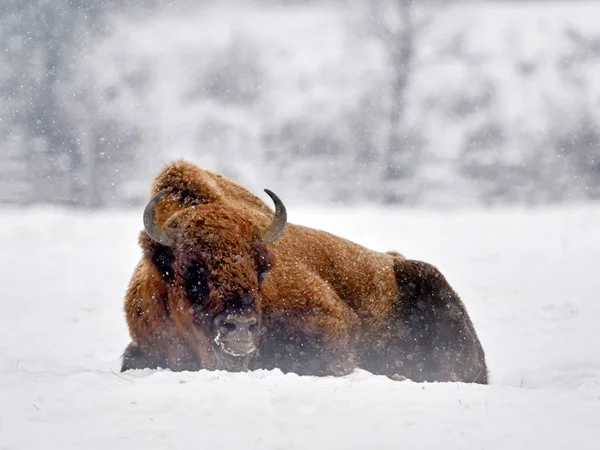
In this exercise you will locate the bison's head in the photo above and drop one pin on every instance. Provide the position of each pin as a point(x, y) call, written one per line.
point(219, 260)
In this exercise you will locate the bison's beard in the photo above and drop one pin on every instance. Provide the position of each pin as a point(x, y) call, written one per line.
point(233, 360)
point(230, 362)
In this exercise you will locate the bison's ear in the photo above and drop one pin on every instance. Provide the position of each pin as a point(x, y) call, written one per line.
point(161, 256)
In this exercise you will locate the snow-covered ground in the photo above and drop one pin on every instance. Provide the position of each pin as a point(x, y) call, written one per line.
point(529, 279)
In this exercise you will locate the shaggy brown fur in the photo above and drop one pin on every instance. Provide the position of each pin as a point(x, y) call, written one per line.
point(326, 305)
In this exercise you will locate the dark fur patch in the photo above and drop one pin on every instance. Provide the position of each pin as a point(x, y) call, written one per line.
point(264, 262)
point(161, 256)
point(196, 283)
point(290, 352)
point(135, 358)
point(432, 338)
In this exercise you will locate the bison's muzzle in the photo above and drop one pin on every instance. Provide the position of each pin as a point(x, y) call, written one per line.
point(237, 333)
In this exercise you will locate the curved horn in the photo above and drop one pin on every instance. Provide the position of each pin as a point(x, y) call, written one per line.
point(164, 236)
point(275, 230)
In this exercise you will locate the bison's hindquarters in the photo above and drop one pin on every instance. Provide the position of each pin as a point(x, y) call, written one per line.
point(430, 336)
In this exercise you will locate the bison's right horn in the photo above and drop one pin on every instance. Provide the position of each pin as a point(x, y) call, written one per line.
point(162, 235)
point(275, 230)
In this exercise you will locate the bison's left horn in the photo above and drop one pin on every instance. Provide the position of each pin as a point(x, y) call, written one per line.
point(275, 230)
point(162, 235)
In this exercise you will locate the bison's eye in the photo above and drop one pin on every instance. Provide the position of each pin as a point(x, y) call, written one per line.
point(261, 276)
point(196, 282)
point(263, 269)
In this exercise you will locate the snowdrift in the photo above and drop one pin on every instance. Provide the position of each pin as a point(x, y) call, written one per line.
point(528, 277)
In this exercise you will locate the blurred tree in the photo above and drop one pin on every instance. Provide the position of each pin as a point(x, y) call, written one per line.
point(579, 149)
point(394, 23)
point(399, 24)
point(40, 43)
point(552, 152)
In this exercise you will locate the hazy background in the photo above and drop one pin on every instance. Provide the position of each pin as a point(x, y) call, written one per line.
point(349, 101)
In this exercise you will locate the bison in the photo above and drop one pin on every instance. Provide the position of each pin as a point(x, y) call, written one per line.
point(225, 283)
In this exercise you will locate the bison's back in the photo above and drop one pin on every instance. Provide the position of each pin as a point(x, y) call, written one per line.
point(361, 278)
point(192, 185)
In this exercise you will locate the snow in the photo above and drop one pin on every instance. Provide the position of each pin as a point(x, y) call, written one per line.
point(529, 279)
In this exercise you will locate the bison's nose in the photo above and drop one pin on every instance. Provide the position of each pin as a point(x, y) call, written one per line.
point(240, 328)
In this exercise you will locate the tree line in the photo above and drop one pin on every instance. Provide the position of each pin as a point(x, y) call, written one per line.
point(401, 131)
